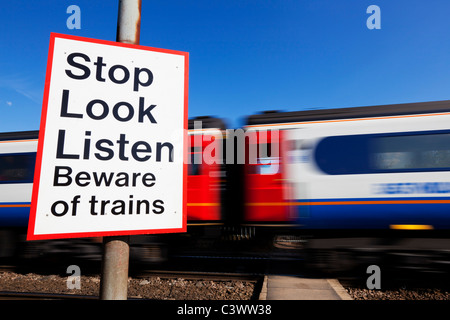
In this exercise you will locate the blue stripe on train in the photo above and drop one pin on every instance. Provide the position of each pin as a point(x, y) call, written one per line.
point(14, 216)
point(373, 216)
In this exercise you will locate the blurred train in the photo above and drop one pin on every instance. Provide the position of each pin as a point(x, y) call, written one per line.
point(338, 180)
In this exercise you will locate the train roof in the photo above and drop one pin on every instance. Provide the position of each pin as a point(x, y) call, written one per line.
point(207, 122)
point(19, 135)
point(269, 117)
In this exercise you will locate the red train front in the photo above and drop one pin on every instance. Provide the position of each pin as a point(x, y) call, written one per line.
point(236, 178)
point(205, 171)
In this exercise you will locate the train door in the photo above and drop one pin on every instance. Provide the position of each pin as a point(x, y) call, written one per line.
point(265, 181)
point(204, 176)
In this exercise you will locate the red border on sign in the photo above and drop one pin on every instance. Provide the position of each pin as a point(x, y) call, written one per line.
point(34, 197)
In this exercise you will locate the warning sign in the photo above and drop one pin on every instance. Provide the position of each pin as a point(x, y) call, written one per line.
point(112, 141)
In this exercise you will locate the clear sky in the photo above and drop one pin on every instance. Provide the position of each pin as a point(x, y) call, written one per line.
point(247, 56)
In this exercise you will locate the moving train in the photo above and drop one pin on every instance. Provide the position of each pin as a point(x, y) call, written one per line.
point(338, 179)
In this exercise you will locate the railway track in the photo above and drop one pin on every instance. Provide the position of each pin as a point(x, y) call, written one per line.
point(197, 275)
point(12, 295)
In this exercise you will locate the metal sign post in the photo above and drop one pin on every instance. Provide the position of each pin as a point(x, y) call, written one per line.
point(114, 277)
point(116, 250)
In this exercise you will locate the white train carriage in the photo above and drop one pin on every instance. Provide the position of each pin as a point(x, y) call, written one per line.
point(17, 161)
point(381, 167)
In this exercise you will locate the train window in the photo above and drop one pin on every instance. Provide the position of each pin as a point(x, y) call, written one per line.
point(429, 151)
point(343, 155)
point(17, 168)
point(267, 160)
point(268, 165)
point(383, 153)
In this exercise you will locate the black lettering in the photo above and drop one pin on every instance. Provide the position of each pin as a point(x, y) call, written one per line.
point(137, 81)
point(116, 111)
point(70, 60)
point(122, 142)
point(75, 202)
point(58, 175)
point(87, 146)
point(146, 112)
point(91, 113)
point(82, 176)
point(159, 146)
point(64, 106)
point(60, 147)
point(119, 207)
point(140, 203)
point(99, 147)
point(103, 179)
point(103, 206)
point(125, 179)
point(135, 175)
point(148, 179)
point(126, 74)
point(146, 149)
point(158, 205)
point(130, 208)
point(65, 208)
point(93, 202)
point(100, 65)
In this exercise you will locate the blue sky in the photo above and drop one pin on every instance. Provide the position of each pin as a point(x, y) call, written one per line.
point(248, 56)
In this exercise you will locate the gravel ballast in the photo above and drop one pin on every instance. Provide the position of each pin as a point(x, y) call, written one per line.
point(144, 288)
point(398, 294)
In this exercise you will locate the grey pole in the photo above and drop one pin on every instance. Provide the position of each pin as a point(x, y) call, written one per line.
point(129, 21)
point(114, 278)
point(116, 250)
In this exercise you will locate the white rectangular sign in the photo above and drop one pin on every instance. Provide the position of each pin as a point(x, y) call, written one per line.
point(112, 141)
